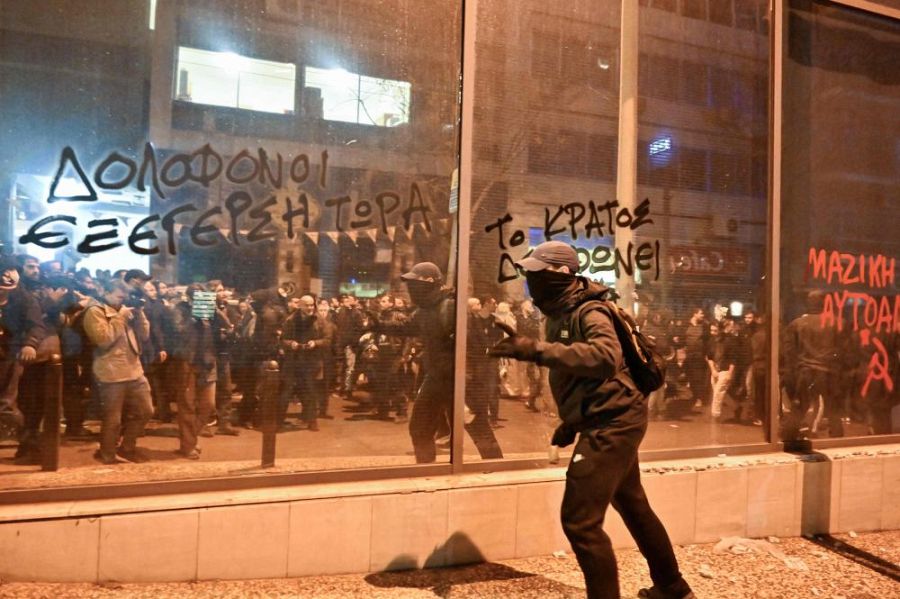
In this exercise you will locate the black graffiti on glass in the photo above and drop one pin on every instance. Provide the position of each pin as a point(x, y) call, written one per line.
point(601, 221)
point(203, 166)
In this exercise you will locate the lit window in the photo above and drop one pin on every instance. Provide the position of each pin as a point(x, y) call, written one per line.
point(235, 81)
point(353, 98)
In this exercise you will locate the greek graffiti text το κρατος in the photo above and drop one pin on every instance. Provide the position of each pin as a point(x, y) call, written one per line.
point(587, 219)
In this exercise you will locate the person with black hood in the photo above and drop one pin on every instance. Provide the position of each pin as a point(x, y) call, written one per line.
point(597, 398)
point(434, 323)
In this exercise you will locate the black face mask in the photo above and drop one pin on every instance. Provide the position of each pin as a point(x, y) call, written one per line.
point(423, 293)
point(550, 289)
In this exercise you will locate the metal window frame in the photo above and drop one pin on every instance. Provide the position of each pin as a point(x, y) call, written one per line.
point(457, 465)
point(773, 276)
point(870, 6)
point(464, 224)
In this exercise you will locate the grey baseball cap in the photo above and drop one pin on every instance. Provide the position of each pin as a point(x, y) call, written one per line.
point(424, 271)
point(550, 253)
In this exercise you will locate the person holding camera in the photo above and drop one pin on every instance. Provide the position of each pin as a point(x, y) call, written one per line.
point(116, 328)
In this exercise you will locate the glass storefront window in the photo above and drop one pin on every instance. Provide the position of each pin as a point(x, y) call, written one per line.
point(273, 168)
point(839, 358)
point(545, 143)
point(241, 217)
point(702, 127)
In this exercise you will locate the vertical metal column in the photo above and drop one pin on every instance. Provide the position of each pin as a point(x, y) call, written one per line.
point(470, 10)
point(773, 314)
point(626, 174)
point(268, 392)
point(52, 407)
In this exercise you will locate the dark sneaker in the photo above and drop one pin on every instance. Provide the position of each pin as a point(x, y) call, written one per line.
point(655, 593)
point(193, 454)
point(228, 430)
point(313, 426)
point(133, 456)
point(111, 461)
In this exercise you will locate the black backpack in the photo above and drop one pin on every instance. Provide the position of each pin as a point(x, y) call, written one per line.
point(645, 364)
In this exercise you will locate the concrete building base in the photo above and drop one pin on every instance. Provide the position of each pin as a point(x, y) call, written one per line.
point(429, 522)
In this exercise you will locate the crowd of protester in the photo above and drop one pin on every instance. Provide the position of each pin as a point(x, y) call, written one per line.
point(134, 349)
point(717, 365)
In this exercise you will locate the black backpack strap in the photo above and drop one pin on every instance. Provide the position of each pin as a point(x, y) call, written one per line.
point(582, 309)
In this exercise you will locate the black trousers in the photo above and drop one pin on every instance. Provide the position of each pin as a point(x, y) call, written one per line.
point(32, 396)
point(74, 396)
point(223, 390)
point(604, 470)
point(309, 389)
point(811, 385)
point(433, 405)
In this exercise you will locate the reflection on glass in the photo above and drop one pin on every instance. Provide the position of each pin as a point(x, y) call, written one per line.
point(211, 234)
point(692, 247)
point(701, 165)
point(228, 79)
point(353, 98)
point(545, 143)
point(839, 356)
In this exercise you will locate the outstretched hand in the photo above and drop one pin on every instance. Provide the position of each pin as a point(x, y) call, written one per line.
point(514, 346)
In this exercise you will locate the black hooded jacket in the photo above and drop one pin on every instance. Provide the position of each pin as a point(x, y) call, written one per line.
point(588, 376)
point(435, 325)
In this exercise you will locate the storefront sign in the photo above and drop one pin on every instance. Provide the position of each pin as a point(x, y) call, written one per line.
point(705, 260)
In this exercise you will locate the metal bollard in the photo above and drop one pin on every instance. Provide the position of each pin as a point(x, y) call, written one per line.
point(268, 391)
point(52, 410)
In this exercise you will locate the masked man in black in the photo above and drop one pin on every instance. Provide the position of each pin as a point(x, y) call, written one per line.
point(434, 323)
point(597, 398)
